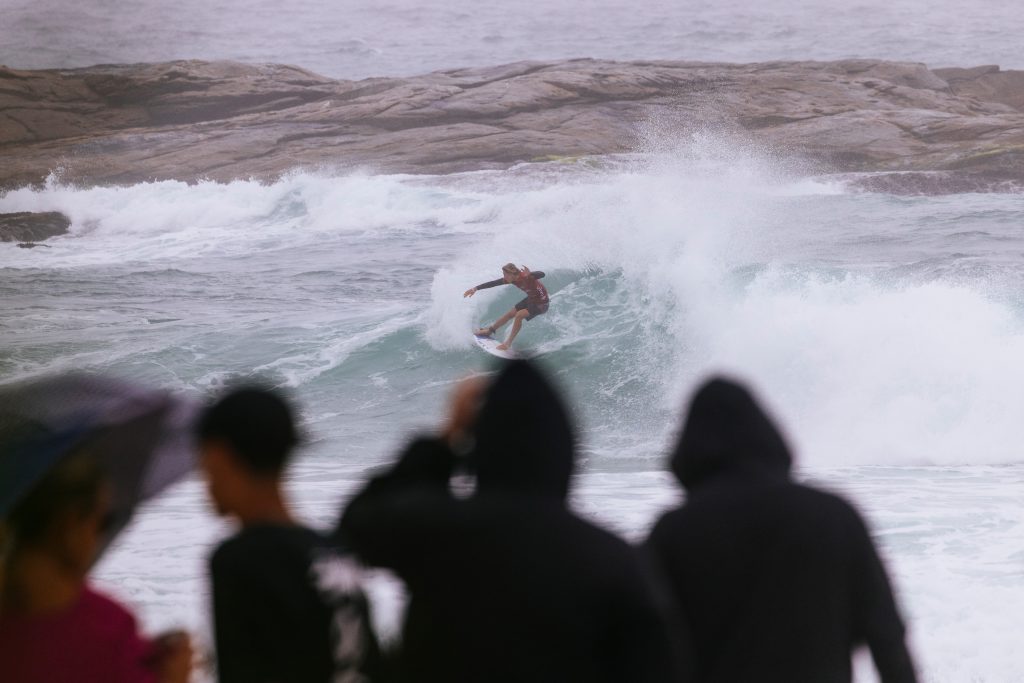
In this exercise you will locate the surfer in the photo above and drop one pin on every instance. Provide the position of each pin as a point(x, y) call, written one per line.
point(535, 303)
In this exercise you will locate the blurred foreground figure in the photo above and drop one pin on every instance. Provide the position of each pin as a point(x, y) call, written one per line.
point(76, 454)
point(507, 584)
point(288, 606)
point(775, 581)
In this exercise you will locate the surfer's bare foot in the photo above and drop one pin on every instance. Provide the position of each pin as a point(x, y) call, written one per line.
point(503, 347)
point(485, 332)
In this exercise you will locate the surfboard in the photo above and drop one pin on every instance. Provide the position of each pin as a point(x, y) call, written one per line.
point(490, 345)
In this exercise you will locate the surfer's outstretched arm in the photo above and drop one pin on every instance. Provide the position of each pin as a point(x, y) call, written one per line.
point(487, 285)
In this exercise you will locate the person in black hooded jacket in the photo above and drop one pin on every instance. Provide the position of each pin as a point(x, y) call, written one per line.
point(507, 584)
point(775, 581)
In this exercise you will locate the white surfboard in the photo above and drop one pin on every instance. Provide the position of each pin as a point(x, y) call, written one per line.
point(490, 345)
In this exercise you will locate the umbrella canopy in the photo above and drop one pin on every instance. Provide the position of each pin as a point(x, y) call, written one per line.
point(140, 436)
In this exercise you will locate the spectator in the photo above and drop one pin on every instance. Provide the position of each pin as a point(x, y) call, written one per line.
point(54, 627)
point(775, 581)
point(288, 606)
point(507, 584)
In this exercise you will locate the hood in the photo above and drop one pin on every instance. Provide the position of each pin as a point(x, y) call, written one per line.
point(524, 441)
point(727, 432)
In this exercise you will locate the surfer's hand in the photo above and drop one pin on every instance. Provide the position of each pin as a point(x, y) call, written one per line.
point(462, 410)
point(469, 292)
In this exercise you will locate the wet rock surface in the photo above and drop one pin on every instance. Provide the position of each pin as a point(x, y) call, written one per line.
point(932, 131)
point(28, 227)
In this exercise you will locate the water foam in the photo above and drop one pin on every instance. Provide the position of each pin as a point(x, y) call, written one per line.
point(171, 220)
point(716, 268)
point(663, 270)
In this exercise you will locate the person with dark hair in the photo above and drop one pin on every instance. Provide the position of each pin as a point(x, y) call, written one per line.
point(775, 581)
point(507, 584)
point(53, 625)
point(287, 604)
point(535, 303)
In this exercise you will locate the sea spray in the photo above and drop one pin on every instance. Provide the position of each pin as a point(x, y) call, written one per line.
point(663, 269)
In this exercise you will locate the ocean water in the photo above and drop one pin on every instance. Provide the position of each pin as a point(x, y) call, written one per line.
point(884, 333)
point(362, 38)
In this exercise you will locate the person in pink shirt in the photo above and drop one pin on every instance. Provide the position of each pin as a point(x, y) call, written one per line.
point(53, 626)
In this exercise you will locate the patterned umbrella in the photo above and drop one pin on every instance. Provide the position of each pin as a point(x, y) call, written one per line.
point(140, 435)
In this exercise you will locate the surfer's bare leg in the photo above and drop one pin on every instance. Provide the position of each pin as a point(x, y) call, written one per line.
point(520, 317)
point(498, 324)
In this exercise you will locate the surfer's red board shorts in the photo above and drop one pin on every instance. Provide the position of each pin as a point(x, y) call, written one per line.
point(534, 309)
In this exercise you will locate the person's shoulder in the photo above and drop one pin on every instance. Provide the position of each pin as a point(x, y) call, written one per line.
point(230, 547)
point(825, 510)
point(596, 541)
point(668, 523)
point(827, 501)
point(615, 567)
point(105, 608)
point(672, 515)
point(105, 620)
point(272, 535)
point(256, 542)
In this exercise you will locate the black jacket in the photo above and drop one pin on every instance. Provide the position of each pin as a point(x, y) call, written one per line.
point(287, 606)
point(508, 584)
point(775, 581)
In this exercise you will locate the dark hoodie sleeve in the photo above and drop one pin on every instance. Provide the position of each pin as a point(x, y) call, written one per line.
point(655, 642)
point(492, 283)
point(876, 616)
point(404, 510)
point(655, 552)
point(537, 274)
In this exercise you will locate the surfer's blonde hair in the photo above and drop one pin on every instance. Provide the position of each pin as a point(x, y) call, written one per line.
point(510, 268)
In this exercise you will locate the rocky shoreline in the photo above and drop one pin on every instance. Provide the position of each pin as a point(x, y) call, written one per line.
point(928, 131)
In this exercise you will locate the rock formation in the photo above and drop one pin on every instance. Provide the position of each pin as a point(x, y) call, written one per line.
point(930, 130)
point(32, 227)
